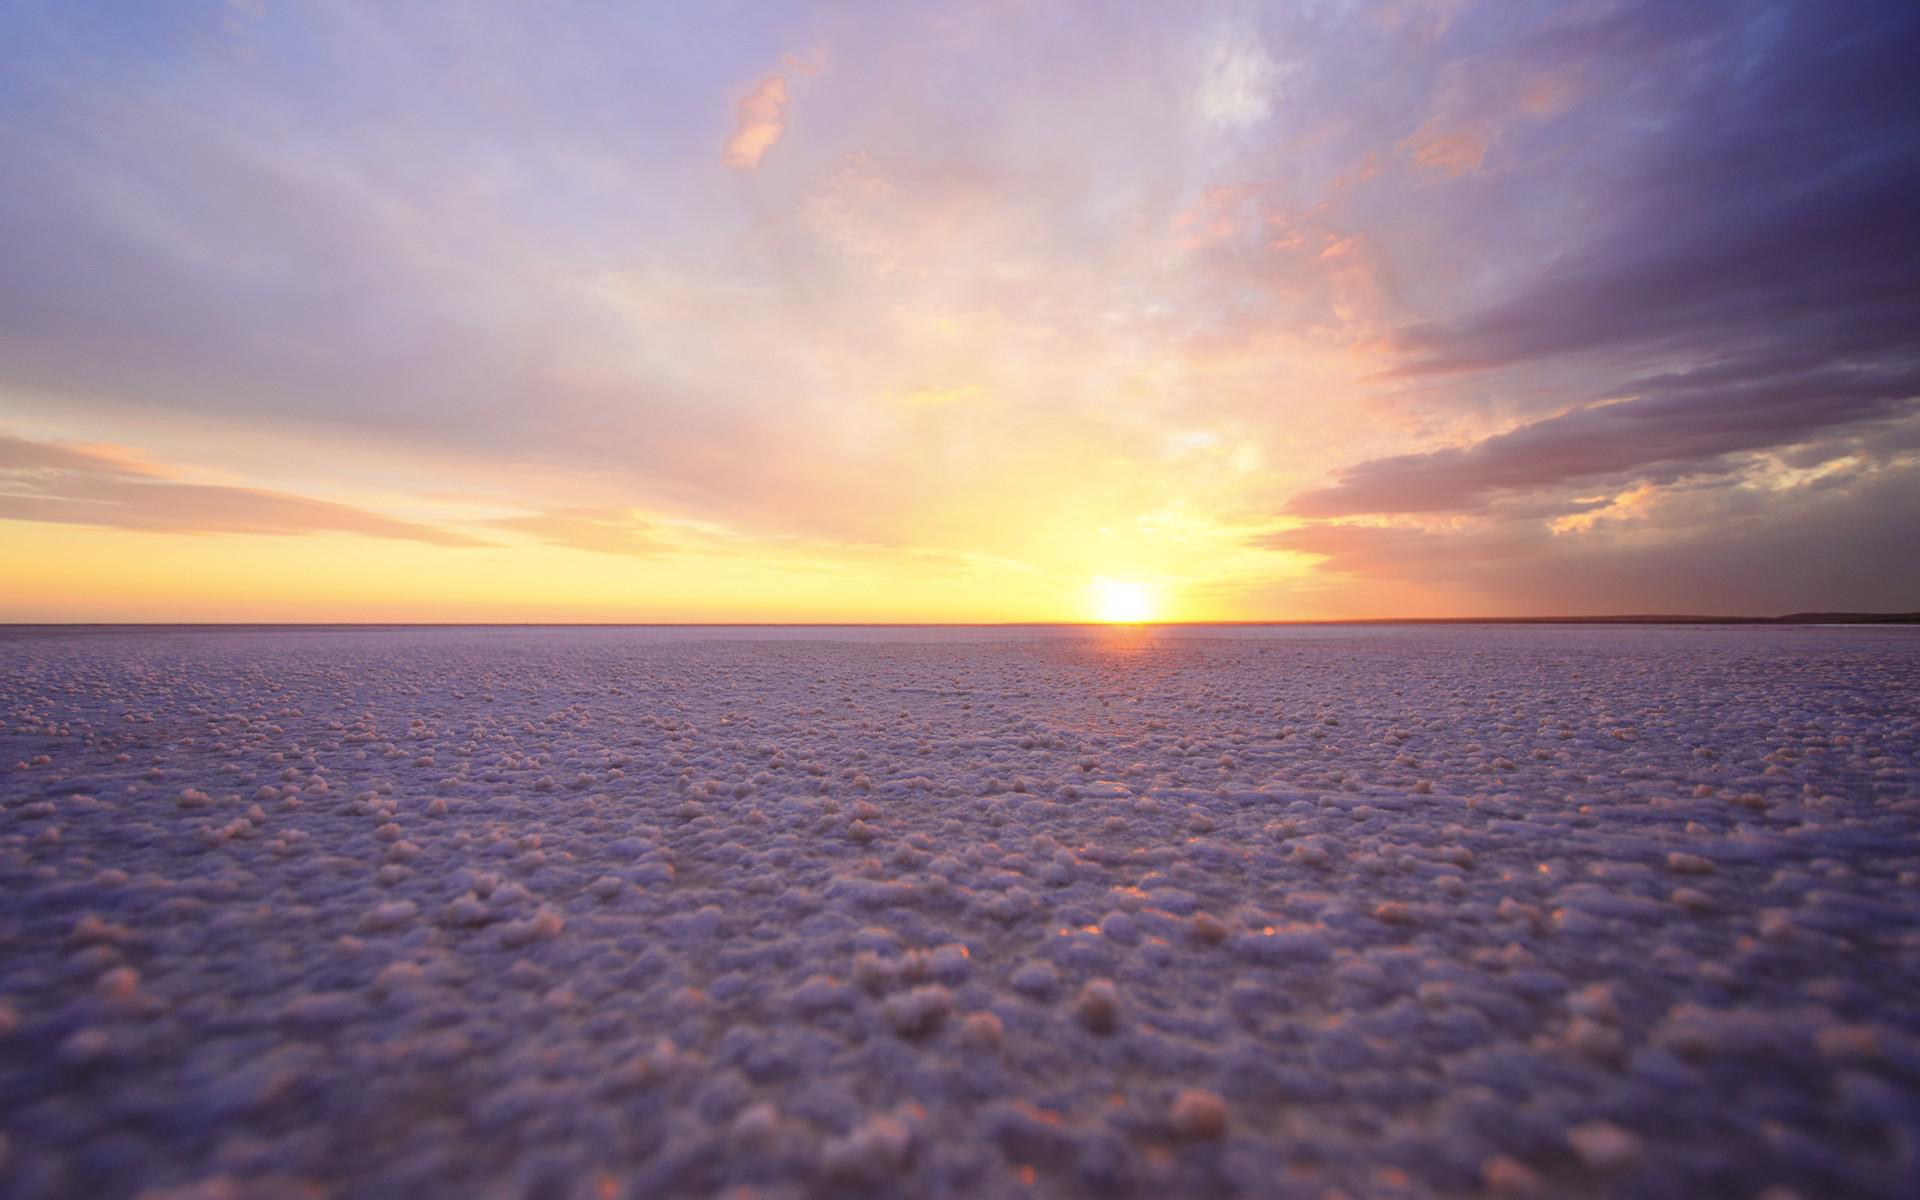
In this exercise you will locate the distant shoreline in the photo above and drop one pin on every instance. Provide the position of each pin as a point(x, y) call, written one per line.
point(43, 628)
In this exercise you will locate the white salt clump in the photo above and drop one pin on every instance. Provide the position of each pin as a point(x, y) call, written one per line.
point(817, 994)
point(918, 1012)
point(874, 973)
point(1604, 1146)
point(916, 966)
point(391, 915)
point(949, 963)
point(1036, 979)
point(94, 958)
point(322, 1008)
point(121, 983)
point(85, 1046)
point(468, 910)
point(607, 887)
point(543, 925)
point(1205, 927)
point(1589, 1037)
point(1688, 864)
point(757, 1126)
point(1121, 928)
point(1858, 1044)
point(1098, 1006)
point(93, 928)
point(873, 1152)
point(1510, 909)
point(982, 1031)
point(399, 975)
point(1508, 1176)
point(1692, 899)
point(194, 798)
point(1198, 1114)
point(1596, 1002)
point(1394, 912)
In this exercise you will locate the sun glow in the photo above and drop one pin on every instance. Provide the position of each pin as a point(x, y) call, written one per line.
point(1122, 602)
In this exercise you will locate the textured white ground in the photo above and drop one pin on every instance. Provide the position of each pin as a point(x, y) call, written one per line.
point(618, 913)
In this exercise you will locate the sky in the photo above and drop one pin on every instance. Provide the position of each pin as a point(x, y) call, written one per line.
point(974, 311)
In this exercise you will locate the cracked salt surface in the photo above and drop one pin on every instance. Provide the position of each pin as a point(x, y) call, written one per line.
point(635, 913)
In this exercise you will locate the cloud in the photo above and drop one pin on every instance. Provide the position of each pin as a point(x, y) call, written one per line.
point(1774, 209)
point(108, 488)
point(759, 119)
point(1848, 541)
point(1679, 425)
point(1238, 81)
point(1747, 285)
point(601, 530)
point(1451, 152)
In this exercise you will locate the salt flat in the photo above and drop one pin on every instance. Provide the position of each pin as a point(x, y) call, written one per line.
point(610, 913)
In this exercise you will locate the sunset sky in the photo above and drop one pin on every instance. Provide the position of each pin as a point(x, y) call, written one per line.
point(963, 311)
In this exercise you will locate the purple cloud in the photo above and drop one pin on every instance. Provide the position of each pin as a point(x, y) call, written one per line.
point(1679, 425)
point(1750, 284)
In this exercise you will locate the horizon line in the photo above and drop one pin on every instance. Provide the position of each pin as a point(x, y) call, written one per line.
point(1800, 618)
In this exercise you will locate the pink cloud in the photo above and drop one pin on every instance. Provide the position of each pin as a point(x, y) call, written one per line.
point(1455, 153)
point(759, 120)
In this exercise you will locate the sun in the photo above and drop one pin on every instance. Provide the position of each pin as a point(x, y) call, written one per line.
point(1122, 602)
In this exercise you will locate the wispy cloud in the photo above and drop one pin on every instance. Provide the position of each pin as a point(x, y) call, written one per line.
point(1678, 426)
point(1452, 152)
point(110, 488)
point(601, 530)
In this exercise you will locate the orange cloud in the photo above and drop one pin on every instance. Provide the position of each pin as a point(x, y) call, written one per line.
point(759, 120)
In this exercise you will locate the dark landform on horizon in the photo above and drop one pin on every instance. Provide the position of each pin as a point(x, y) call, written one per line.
point(50, 629)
